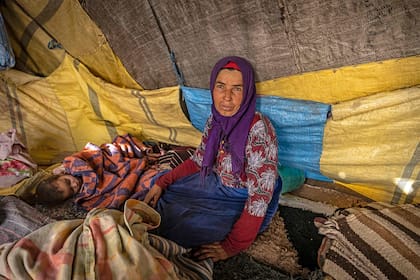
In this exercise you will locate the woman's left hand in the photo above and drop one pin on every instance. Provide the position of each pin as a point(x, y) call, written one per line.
point(214, 251)
point(153, 195)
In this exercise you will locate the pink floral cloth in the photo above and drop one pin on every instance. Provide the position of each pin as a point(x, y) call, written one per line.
point(15, 161)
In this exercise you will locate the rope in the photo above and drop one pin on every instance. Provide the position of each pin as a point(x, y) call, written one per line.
point(178, 73)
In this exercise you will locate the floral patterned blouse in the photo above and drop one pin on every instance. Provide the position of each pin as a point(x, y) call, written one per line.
point(260, 166)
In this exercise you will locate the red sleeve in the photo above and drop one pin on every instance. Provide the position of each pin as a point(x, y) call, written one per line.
point(186, 168)
point(242, 234)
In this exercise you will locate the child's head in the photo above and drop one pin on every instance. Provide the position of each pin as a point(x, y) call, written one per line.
point(57, 188)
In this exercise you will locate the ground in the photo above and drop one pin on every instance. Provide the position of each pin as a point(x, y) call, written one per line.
point(273, 257)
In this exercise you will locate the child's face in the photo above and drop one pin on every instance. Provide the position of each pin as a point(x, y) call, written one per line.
point(68, 185)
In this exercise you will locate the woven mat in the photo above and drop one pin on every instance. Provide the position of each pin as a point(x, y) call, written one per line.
point(274, 248)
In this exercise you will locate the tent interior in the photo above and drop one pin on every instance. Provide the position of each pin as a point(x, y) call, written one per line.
point(340, 81)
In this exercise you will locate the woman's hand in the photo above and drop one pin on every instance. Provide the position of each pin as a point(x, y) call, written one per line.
point(214, 251)
point(153, 195)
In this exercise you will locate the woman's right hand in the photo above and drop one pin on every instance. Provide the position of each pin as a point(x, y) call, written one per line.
point(153, 195)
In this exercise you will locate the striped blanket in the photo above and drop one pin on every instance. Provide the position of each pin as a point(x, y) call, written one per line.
point(111, 173)
point(380, 241)
point(17, 219)
point(107, 244)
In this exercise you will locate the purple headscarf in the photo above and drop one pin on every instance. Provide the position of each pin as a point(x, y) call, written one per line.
point(234, 130)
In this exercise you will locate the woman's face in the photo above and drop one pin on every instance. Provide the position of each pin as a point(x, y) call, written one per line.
point(228, 92)
point(68, 185)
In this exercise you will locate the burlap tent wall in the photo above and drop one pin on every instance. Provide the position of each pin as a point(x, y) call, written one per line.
point(97, 58)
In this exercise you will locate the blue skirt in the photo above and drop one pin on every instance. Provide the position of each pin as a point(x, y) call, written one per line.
point(196, 213)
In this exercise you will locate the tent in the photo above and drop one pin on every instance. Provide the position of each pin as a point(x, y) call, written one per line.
point(347, 80)
point(340, 80)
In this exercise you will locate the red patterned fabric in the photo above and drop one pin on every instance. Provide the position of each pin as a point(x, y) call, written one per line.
point(111, 173)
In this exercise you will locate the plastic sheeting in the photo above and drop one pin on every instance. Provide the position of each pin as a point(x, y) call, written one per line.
point(299, 126)
point(372, 145)
point(7, 57)
point(346, 83)
point(58, 115)
point(42, 32)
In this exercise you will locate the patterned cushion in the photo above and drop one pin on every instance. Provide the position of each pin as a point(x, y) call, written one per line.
point(174, 157)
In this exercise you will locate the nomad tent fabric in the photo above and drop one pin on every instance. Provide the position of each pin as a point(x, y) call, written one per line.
point(281, 38)
point(69, 86)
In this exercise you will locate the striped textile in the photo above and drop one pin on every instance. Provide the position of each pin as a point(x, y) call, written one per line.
point(379, 241)
point(17, 219)
point(185, 266)
point(174, 157)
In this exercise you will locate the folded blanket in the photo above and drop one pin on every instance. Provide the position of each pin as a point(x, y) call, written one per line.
point(108, 244)
point(380, 241)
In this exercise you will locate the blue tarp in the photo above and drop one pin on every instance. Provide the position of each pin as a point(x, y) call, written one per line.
point(7, 58)
point(299, 125)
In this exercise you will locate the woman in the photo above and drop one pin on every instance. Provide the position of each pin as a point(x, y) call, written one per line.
point(227, 192)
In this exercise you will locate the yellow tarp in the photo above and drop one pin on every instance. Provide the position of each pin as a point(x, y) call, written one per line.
point(58, 115)
point(372, 145)
point(346, 83)
point(36, 23)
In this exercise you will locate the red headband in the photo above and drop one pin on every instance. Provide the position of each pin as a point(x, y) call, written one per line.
point(232, 65)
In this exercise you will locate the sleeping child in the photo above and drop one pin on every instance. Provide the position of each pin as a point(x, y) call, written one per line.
point(57, 188)
point(101, 176)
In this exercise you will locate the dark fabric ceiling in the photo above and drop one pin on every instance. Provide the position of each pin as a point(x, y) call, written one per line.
point(280, 38)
